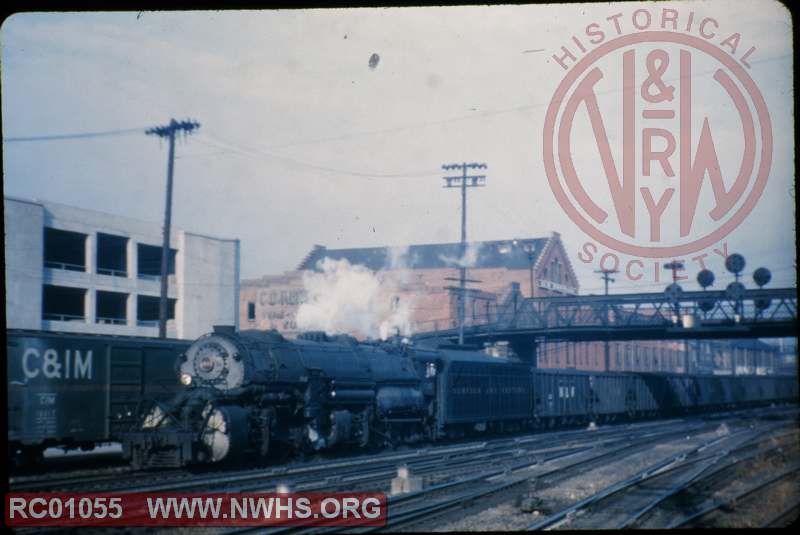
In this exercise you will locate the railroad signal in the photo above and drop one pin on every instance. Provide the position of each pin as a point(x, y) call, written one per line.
point(735, 263)
point(674, 266)
point(705, 278)
point(762, 276)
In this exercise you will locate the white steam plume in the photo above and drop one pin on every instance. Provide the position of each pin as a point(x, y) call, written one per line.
point(470, 256)
point(345, 298)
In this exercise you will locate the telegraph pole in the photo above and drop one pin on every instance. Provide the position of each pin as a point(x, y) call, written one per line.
point(674, 290)
point(168, 132)
point(607, 277)
point(464, 181)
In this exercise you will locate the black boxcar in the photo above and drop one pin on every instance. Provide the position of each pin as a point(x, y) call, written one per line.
point(79, 390)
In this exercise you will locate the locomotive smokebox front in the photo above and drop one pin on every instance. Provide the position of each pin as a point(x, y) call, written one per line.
point(216, 361)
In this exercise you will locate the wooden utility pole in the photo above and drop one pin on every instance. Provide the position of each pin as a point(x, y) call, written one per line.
point(606, 277)
point(606, 354)
point(169, 133)
point(463, 182)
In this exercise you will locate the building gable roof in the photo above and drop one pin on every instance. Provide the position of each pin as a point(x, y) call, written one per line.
point(509, 254)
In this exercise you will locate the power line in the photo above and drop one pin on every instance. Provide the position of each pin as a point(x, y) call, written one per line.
point(260, 154)
point(76, 136)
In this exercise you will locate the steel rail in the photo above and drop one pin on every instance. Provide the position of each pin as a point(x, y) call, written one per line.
point(565, 514)
point(751, 490)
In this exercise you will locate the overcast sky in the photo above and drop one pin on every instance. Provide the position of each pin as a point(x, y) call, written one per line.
point(304, 141)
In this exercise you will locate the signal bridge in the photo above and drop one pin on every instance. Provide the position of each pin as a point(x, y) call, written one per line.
point(671, 315)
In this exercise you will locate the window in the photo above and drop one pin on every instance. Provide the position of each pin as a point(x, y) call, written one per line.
point(251, 311)
point(63, 304)
point(556, 271)
point(149, 264)
point(147, 310)
point(64, 249)
point(112, 308)
point(112, 255)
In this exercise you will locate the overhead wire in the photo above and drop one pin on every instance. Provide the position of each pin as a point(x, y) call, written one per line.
point(233, 147)
point(128, 131)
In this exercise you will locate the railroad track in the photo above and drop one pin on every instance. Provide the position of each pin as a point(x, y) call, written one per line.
point(630, 502)
point(638, 485)
point(696, 486)
point(434, 462)
point(464, 482)
point(430, 507)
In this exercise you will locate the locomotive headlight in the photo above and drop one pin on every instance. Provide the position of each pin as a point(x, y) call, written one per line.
point(186, 379)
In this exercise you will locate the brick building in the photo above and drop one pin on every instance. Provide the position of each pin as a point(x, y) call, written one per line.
point(420, 279)
point(419, 285)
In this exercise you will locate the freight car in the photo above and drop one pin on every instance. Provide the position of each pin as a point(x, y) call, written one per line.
point(252, 393)
point(80, 390)
point(570, 397)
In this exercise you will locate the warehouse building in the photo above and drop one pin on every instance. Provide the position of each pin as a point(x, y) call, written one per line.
point(75, 270)
point(419, 283)
point(415, 289)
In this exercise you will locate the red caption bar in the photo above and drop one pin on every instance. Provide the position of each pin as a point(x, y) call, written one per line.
point(273, 510)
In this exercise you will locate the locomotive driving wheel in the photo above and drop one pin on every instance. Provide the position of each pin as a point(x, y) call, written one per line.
point(224, 432)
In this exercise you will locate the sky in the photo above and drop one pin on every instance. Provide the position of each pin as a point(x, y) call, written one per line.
point(331, 126)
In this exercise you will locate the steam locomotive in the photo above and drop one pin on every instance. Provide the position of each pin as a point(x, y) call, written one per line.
point(250, 394)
